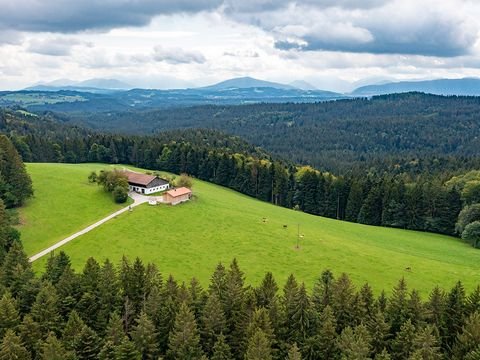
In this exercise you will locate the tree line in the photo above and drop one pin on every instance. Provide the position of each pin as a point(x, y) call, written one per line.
point(131, 311)
point(395, 199)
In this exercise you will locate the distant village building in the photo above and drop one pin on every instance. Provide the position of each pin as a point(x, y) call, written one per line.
point(177, 196)
point(145, 184)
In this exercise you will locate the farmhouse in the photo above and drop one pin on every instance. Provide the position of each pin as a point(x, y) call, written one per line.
point(177, 196)
point(145, 184)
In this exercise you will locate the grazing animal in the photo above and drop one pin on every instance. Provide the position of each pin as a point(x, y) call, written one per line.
point(285, 226)
point(408, 268)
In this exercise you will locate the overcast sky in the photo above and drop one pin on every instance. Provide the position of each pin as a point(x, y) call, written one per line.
point(177, 43)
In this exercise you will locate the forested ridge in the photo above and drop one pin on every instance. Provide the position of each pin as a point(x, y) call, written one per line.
point(383, 132)
point(396, 199)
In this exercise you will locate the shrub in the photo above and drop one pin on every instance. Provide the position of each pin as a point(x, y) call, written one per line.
point(120, 194)
point(471, 234)
point(184, 180)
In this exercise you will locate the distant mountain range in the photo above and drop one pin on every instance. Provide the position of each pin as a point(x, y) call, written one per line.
point(114, 95)
point(90, 85)
point(461, 87)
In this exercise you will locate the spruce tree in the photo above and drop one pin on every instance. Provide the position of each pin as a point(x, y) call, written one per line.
point(302, 316)
point(403, 344)
point(127, 351)
point(87, 344)
point(115, 331)
point(354, 344)
point(12, 348)
point(212, 322)
point(144, 337)
point(30, 334)
point(53, 349)
point(221, 350)
point(45, 310)
point(379, 329)
point(427, 344)
point(184, 340)
point(108, 351)
point(9, 317)
point(343, 292)
point(454, 315)
point(397, 309)
point(468, 339)
point(72, 329)
point(294, 353)
point(259, 348)
point(327, 334)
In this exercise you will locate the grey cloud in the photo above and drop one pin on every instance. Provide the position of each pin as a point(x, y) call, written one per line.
point(177, 55)
point(72, 16)
point(10, 37)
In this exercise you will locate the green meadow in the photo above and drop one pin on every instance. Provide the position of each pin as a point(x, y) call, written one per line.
point(188, 240)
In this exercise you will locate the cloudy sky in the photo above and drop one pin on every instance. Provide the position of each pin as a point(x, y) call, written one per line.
point(332, 44)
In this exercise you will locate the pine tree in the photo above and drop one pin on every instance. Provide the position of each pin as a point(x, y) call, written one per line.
point(184, 341)
point(221, 350)
point(379, 329)
point(45, 310)
point(327, 334)
point(468, 339)
point(108, 351)
point(427, 344)
point(322, 291)
point(435, 308)
point(52, 349)
point(56, 265)
point(30, 334)
point(261, 320)
point(115, 331)
point(9, 317)
point(302, 316)
point(342, 301)
point(18, 185)
point(144, 337)
point(259, 347)
point(403, 344)
point(290, 291)
point(12, 348)
point(87, 344)
point(234, 306)
point(167, 312)
point(213, 322)
point(127, 351)
point(72, 329)
point(354, 344)
point(454, 315)
point(109, 297)
point(473, 301)
point(294, 353)
point(397, 309)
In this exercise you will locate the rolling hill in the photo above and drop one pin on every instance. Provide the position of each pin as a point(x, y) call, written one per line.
point(219, 224)
point(459, 87)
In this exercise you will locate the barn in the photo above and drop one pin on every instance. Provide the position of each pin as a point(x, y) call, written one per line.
point(177, 196)
point(144, 183)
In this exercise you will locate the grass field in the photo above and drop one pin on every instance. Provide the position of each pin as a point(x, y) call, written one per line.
point(220, 224)
point(64, 203)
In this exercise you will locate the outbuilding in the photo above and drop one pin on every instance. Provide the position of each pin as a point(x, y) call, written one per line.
point(177, 196)
point(144, 183)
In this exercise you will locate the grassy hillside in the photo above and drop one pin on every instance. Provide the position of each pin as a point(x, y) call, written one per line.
point(188, 240)
point(64, 203)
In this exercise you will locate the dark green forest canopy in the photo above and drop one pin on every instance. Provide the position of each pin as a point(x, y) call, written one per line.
point(334, 135)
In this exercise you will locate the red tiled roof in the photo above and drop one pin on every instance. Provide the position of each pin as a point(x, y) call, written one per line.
point(140, 179)
point(179, 192)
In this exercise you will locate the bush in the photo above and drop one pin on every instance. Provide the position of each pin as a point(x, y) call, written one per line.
point(120, 194)
point(184, 180)
point(92, 177)
point(471, 234)
point(468, 215)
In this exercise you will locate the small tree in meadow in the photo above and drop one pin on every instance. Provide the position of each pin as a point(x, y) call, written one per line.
point(184, 181)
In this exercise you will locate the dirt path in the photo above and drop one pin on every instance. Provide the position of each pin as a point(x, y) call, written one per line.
point(137, 200)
